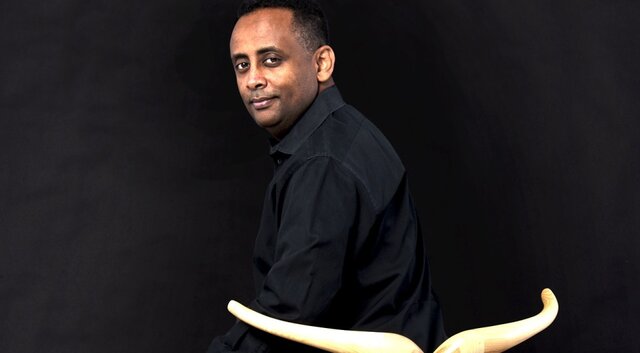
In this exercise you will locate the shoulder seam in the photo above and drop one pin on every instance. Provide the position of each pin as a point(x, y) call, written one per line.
point(347, 169)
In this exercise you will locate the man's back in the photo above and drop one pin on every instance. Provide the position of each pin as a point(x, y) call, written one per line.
point(339, 243)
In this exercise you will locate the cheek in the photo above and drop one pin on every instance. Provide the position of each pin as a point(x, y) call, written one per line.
point(300, 83)
point(307, 85)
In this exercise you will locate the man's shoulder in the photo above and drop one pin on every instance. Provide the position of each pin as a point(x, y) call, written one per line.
point(357, 138)
point(355, 143)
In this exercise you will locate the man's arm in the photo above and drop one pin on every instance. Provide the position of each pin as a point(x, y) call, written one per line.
point(319, 209)
point(318, 214)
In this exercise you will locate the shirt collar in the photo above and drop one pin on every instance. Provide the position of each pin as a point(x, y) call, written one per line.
point(325, 103)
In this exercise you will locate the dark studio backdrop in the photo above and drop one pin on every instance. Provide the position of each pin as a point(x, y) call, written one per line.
point(131, 177)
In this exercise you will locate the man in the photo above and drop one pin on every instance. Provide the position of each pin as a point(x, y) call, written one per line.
point(339, 243)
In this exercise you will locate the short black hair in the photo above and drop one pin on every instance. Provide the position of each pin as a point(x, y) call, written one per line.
point(309, 21)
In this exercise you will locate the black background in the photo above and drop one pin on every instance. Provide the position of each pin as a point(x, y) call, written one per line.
point(131, 177)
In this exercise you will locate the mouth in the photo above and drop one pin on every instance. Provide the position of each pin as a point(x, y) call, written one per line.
point(259, 103)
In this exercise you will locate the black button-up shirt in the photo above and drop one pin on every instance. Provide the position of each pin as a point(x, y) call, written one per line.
point(339, 243)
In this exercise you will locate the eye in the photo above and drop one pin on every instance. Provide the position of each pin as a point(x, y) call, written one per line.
point(241, 66)
point(272, 61)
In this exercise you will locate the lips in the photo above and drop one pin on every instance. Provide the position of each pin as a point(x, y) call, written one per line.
point(262, 102)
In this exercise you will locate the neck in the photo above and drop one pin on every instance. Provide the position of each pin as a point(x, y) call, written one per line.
point(326, 84)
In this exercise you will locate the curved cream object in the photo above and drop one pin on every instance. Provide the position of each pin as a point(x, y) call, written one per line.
point(332, 340)
point(499, 338)
point(490, 339)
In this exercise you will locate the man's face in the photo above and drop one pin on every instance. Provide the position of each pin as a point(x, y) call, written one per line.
point(275, 73)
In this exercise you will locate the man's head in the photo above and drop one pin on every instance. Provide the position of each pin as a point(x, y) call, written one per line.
point(282, 60)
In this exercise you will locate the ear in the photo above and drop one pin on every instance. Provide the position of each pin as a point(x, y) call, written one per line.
point(325, 60)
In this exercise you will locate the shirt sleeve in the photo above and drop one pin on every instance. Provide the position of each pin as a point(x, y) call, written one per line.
point(318, 207)
point(317, 213)
point(240, 338)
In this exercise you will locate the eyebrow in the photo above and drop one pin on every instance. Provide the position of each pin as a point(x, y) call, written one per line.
point(259, 52)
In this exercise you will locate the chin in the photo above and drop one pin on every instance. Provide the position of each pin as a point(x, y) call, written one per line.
point(266, 122)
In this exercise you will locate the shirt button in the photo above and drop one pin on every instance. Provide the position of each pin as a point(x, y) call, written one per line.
point(278, 161)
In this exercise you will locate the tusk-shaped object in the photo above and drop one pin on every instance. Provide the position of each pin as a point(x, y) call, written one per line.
point(332, 340)
point(499, 338)
point(490, 339)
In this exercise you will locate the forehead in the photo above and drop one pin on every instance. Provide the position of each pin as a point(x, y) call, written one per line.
point(263, 27)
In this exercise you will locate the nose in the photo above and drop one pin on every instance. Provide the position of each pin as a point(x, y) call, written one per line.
point(256, 79)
